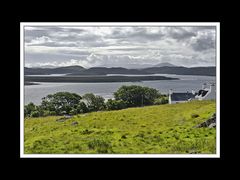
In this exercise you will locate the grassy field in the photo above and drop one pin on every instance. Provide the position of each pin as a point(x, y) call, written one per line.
point(162, 129)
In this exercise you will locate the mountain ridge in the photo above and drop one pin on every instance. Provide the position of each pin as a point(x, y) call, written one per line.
point(79, 70)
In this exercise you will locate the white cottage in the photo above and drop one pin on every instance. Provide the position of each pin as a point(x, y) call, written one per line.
point(204, 93)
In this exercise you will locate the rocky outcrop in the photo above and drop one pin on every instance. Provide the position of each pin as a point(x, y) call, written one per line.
point(211, 123)
point(62, 119)
point(74, 123)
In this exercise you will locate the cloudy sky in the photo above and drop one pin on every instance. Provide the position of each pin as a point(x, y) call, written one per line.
point(118, 46)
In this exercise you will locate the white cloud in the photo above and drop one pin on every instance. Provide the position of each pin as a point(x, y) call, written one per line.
point(40, 40)
point(119, 46)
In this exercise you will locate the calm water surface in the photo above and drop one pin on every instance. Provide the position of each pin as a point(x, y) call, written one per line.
point(35, 93)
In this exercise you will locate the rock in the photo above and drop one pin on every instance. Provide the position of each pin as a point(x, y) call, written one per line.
point(74, 123)
point(66, 117)
point(213, 125)
point(211, 122)
point(61, 119)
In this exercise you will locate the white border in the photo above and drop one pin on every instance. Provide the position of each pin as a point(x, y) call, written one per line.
point(22, 155)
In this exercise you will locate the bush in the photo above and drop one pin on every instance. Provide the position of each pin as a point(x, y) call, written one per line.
point(35, 114)
point(94, 103)
point(194, 115)
point(73, 111)
point(115, 104)
point(101, 146)
point(29, 108)
point(82, 108)
point(135, 96)
point(52, 113)
point(161, 100)
point(46, 113)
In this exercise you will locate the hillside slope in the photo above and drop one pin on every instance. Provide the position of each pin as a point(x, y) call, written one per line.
point(202, 71)
point(59, 70)
point(154, 129)
point(158, 69)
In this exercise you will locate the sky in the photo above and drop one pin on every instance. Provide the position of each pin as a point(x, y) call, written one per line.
point(129, 47)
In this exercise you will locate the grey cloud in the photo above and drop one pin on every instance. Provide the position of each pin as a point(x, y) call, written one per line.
point(75, 52)
point(71, 41)
point(203, 28)
point(164, 44)
point(137, 34)
point(204, 43)
point(180, 33)
point(36, 33)
point(32, 34)
point(56, 44)
point(52, 33)
point(48, 57)
point(143, 34)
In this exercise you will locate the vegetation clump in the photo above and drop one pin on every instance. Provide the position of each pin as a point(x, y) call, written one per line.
point(62, 103)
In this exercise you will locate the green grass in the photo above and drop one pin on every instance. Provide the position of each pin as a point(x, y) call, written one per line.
point(162, 129)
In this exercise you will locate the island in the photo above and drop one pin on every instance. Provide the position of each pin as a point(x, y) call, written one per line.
point(93, 79)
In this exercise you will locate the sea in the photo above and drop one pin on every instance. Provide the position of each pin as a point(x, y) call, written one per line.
point(35, 93)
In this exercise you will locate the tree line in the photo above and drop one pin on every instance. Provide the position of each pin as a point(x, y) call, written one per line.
point(66, 103)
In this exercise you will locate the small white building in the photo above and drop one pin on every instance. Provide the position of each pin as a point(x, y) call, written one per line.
point(203, 94)
point(206, 93)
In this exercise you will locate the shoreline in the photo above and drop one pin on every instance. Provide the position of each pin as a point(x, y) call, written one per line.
point(28, 83)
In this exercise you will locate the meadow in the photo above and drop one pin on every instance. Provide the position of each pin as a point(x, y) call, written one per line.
point(159, 129)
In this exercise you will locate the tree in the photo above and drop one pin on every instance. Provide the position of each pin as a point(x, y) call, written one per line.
point(115, 104)
point(61, 102)
point(94, 103)
point(136, 95)
point(81, 107)
point(29, 108)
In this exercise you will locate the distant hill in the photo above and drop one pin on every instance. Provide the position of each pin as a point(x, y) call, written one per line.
point(58, 70)
point(113, 70)
point(164, 64)
point(180, 70)
point(165, 68)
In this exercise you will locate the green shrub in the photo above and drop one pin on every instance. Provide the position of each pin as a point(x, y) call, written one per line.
point(135, 96)
point(94, 103)
point(115, 104)
point(46, 113)
point(161, 100)
point(194, 115)
point(82, 108)
point(52, 113)
point(73, 111)
point(28, 109)
point(101, 146)
point(35, 114)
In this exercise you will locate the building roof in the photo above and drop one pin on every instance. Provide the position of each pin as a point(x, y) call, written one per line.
point(202, 92)
point(182, 96)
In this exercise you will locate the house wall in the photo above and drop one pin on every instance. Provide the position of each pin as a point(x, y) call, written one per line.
point(169, 99)
point(211, 95)
point(175, 102)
